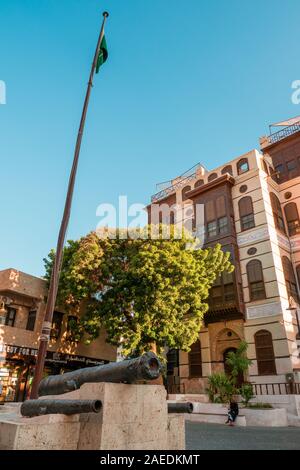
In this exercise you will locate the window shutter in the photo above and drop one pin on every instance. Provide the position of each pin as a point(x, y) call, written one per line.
point(291, 212)
point(210, 211)
point(264, 353)
point(220, 206)
point(254, 270)
point(245, 206)
point(288, 270)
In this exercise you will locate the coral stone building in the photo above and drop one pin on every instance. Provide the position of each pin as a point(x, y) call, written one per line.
point(251, 206)
point(22, 305)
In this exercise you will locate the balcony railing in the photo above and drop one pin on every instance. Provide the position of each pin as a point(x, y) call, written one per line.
point(179, 182)
point(283, 388)
point(283, 133)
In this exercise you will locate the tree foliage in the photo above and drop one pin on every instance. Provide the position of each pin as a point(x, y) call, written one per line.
point(238, 361)
point(142, 291)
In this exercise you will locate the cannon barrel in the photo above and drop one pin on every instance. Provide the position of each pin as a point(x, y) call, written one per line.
point(67, 407)
point(186, 407)
point(147, 367)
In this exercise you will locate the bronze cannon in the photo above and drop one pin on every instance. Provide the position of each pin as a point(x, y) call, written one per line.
point(145, 367)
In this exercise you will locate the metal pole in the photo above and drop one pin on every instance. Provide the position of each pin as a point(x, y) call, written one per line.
point(47, 323)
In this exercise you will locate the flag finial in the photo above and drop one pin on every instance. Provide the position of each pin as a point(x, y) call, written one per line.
point(105, 14)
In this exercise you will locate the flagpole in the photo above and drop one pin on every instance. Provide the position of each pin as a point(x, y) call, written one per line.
point(53, 287)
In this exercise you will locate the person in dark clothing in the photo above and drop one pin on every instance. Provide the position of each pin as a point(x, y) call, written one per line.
point(233, 411)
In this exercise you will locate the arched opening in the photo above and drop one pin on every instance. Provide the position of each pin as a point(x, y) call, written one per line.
point(212, 176)
point(199, 183)
point(290, 279)
point(277, 213)
point(242, 166)
point(292, 218)
point(255, 280)
point(185, 190)
point(227, 169)
point(246, 213)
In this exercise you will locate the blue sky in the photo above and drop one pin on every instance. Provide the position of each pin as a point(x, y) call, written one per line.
point(185, 82)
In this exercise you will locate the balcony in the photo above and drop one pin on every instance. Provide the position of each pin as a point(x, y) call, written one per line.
point(226, 311)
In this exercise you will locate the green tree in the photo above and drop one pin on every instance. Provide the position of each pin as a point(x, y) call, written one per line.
point(238, 361)
point(143, 291)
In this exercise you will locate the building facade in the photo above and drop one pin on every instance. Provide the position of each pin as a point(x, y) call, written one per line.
point(22, 304)
point(251, 206)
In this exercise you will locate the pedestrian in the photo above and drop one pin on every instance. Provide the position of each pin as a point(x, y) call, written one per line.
point(233, 411)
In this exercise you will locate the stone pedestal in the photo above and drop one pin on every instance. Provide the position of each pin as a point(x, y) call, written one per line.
point(133, 417)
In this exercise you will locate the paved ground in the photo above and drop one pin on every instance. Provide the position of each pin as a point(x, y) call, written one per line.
point(203, 436)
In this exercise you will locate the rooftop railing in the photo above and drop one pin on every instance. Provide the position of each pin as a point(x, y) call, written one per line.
point(283, 133)
point(169, 187)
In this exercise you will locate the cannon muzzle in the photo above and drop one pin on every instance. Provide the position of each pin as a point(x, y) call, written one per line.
point(185, 407)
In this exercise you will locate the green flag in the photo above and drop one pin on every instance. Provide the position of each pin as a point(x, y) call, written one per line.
point(103, 54)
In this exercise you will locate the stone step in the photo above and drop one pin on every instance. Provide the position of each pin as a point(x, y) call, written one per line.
point(211, 408)
point(213, 418)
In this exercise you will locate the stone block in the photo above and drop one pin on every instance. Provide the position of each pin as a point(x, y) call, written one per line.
point(176, 432)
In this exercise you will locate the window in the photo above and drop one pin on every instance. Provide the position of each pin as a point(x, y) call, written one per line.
point(212, 176)
point(56, 325)
point(255, 280)
point(264, 353)
point(279, 173)
point(195, 360)
point(277, 213)
point(223, 225)
point(199, 183)
point(242, 166)
point(265, 167)
point(223, 290)
point(185, 190)
point(292, 218)
point(31, 320)
point(246, 213)
point(212, 229)
point(227, 169)
point(292, 168)
point(289, 276)
point(216, 218)
point(10, 316)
